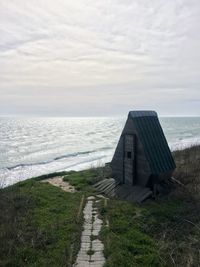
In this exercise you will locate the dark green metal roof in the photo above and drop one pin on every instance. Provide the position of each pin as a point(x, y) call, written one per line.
point(154, 142)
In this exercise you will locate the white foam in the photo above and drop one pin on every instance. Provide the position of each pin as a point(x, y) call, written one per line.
point(184, 143)
point(42, 146)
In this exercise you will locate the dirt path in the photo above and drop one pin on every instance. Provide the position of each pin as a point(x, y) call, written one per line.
point(58, 181)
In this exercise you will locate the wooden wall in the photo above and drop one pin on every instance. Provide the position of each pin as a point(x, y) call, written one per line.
point(142, 167)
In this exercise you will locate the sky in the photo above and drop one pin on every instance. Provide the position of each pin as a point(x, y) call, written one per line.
point(99, 58)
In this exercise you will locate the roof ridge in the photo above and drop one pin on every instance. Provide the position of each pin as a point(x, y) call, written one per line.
point(142, 113)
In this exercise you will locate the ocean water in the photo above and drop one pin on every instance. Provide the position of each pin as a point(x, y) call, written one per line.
point(33, 146)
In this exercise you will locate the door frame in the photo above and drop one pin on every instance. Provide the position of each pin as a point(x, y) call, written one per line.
point(134, 177)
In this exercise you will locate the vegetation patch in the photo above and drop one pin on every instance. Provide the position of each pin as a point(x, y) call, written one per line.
point(125, 243)
point(188, 172)
point(90, 252)
point(154, 234)
point(93, 237)
point(165, 232)
point(38, 225)
point(82, 180)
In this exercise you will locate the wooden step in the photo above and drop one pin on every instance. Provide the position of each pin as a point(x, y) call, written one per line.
point(111, 188)
point(105, 183)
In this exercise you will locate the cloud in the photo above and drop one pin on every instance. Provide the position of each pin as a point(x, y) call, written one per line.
point(116, 52)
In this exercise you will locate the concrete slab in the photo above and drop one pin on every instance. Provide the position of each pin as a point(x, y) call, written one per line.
point(97, 256)
point(91, 198)
point(97, 226)
point(97, 248)
point(96, 232)
point(85, 239)
point(97, 264)
point(87, 233)
point(87, 226)
point(83, 257)
point(82, 264)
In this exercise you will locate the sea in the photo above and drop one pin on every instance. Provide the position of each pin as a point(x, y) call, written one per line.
point(31, 147)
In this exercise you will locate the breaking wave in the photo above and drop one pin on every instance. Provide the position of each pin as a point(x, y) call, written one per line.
point(32, 147)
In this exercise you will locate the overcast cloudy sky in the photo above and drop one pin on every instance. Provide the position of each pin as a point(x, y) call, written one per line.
point(105, 57)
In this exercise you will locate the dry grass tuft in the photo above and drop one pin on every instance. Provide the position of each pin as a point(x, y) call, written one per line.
point(188, 171)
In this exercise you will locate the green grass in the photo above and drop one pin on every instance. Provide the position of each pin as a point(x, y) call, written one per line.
point(38, 221)
point(83, 180)
point(165, 232)
point(38, 225)
point(154, 234)
point(125, 243)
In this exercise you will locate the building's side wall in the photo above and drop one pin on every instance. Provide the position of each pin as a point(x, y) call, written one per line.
point(143, 170)
point(118, 158)
point(117, 161)
point(142, 165)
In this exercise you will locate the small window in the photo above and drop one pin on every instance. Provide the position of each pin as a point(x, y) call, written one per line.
point(129, 154)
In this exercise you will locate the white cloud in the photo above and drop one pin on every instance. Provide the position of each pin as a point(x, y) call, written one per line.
point(96, 52)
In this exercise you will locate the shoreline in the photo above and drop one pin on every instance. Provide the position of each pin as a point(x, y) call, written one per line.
point(22, 174)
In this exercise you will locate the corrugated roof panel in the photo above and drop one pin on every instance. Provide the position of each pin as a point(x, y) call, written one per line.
point(154, 142)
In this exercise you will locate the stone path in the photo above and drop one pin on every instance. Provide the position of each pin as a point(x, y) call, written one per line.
point(91, 251)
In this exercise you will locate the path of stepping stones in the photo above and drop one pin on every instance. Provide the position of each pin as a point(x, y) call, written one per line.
point(91, 251)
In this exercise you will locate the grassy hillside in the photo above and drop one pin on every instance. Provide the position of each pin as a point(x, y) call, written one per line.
point(162, 233)
point(188, 171)
point(40, 225)
point(165, 232)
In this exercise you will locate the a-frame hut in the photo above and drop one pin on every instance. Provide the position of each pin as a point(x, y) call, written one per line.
point(142, 164)
point(142, 156)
